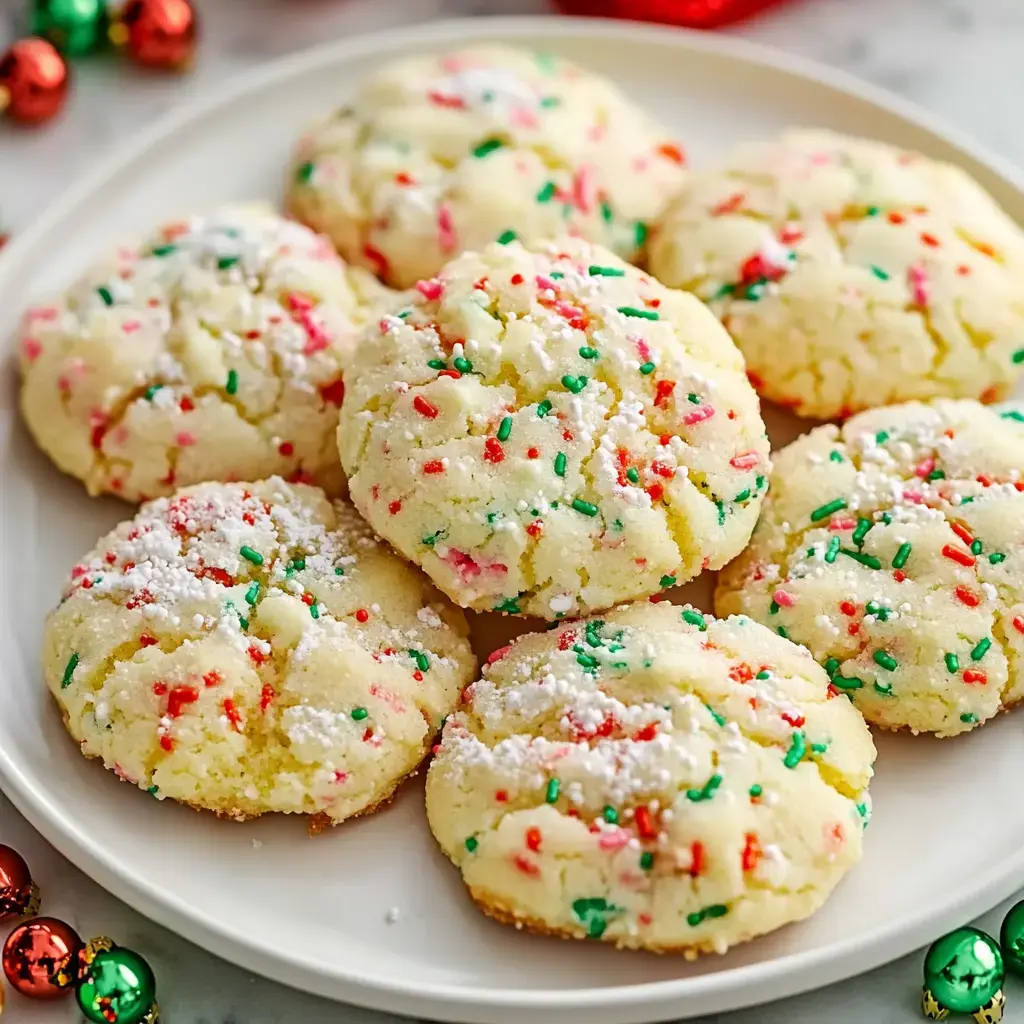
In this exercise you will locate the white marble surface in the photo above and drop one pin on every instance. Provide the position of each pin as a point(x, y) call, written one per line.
point(959, 58)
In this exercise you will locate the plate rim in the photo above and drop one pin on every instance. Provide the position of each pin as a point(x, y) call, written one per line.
point(742, 986)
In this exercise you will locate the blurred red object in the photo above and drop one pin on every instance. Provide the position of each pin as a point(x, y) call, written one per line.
point(691, 13)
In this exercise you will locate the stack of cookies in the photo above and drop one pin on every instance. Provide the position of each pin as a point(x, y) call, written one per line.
point(518, 373)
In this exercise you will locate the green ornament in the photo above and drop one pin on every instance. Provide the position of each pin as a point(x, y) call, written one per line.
point(963, 973)
point(75, 27)
point(117, 987)
point(1011, 938)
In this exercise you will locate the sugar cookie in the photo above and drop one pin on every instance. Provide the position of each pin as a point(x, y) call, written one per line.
point(248, 648)
point(893, 549)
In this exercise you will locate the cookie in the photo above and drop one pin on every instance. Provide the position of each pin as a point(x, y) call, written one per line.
point(213, 351)
point(440, 154)
point(892, 548)
point(553, 432)
point(851, 274)
point(248, 648)
point(654, 778)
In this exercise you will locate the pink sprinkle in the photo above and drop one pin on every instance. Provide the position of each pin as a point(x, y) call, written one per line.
point(596, 132)
point(430, 288)
point(920, 284)
point(466, 567)
point(640, 164)
point(842, 525)
point(498, 654)
point(925, 467)
point(446, 229)
point(388, 697)
point(185, 439)
point(298, 303)
point(746, 461)
point(452, 63)
point(699, 415)
point(33, 349)
point(821, 159)
point(131, 326)
point(784, 599)
point(41, 313)
point(584, 188)
point(916, 497)
point(613, 840)
point(643, 348)
point(790, 233)
point(545, 283)
point(340, 777)
point(524, 117)
point(317, 335)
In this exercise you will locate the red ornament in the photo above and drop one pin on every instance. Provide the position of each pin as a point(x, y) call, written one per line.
point(40, 957)
point(19, 895)
point(157, 33)
point(33, 81)
point(691, 13)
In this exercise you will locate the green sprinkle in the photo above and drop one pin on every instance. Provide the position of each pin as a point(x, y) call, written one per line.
point(720, 505)
point(543, 408)
point(723, 291)
point(847, 682)
point(574, 384)
point(980, 649)
point(304, 172)
point(430, 540)
point(584, 506)
point(589, 353)
point(69, 671)
point(462, 364)
point(1018, 356)
point(226, 262)
point(597, 271)
point(231, 385)
point(719, 719)
point(250, 556)
point(358, 714)
point(797, 749)
point(831, 665)
point(545, 194)
point(667, 581)
point(646, 860)
point(763, 674)
point(872, 211)
point(878, 610)
point(586, 661)
point(742, 496)
point(643, 314)
point(879, 273)
point(314, 610)
point(1012, 414)
point(755, 292)
point(594, 914)
point(935, 474)
point(755, 790)
point(820, 748)
point(952, 663)
point(760, 481)
point(861, 531)
point(510, 605)
point(632, 475)
point(834, 456)
point(163, 250)
point(715, 910)
point(556, 275)
point(606, 213)
point(781, 630)
point(639, 233)
point(996, 557)
point(549, 101)
point(507, 236)
point(885, 691)
point(647, 368)
point(151, 391)
point(471, 843)
point(976, 547)
point(489, 146)
point(252, 593)
point(610, 815)
point(437, 364)
point(833, 549)
point(968, 719)
point(617, 526)
point(881, 437)
point(707, 791)
point(824, 511)
point(858, 556)
point(695, 619)
point(551, 793)
point(104, 294)
point(422, 660)
point(153, 790)
point(773, 608)
point(505, 428)
point(886, 660)
point(887, 518)
point(902, 554)
point(298, 564)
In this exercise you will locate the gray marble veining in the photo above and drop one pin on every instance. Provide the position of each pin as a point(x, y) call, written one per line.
point(961, 59)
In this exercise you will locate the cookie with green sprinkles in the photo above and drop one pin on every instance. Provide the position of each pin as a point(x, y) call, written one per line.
point(251, 648)
point(213, 350)
point(899, 564)
point(442, 153)
point(851, 273)
point(504, 434)
point(653, 779)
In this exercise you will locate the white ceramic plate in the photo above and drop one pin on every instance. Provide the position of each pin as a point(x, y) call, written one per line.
point(947, 840)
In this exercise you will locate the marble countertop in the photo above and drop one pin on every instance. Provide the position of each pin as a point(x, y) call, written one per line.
point(961, 59)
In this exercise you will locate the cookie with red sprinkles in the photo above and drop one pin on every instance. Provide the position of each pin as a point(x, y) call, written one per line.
point(552, 432)
point(251, 648)
point(653, 778)
point(892, 549)
point(437, 154)
point(851, 273)
point(213, 350)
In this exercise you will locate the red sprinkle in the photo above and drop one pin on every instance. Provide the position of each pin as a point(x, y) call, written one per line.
point(899, 575)
point(974, 675)
point(433, 466)
point(178, 697)
point(848, 608)
point(527, 866)
point(670, 151)
point(751, 852)
point(267, 695)
point(729, 205)
point(697, 859)
point(741, 673)
point(963, 533)
point(656, 492)
point(662, 391)
point(212, 678)
point(425, 408)
point(645, 824)
point(334, 392)
point(362, 615)
point(1018, 623)
point(647, 733)
point(159, 689)
point(929, 239)
point(166, 743)
point(533, 839)
point(533, 453)
point(148, 641)
point(794, 720)
point(516, 279)
point(231, 711)
point(967, 596)
point(665, 439)
point(534, 529)
point(501, 796)
point(958, 556)
point(493, 452)
point(498, 654)
point(896, 218)
point(256, 654)
point(394, 507)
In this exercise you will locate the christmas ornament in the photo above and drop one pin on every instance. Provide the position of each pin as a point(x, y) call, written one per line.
point(157, 33)
point(116, 986)
point(692, 13)
point(19, 895)
point(33, 81)
point(73, 26)
point(39, 957)
point(963, 973)
point(1011, 938)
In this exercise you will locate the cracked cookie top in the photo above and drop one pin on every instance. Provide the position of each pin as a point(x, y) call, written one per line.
point(892, 549)
point(212, 351)
point(248, 648)
point(551, 432)
point(655, 778)
point(851, 274)
point(438, 154)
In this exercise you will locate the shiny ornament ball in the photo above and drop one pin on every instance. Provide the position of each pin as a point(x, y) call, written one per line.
point(75, 27)
point(37, 953)
point(1011, 938)
point(117, 987)
point(964, 970)
point(157, 33)
point(33, 81)
point(19, 895)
